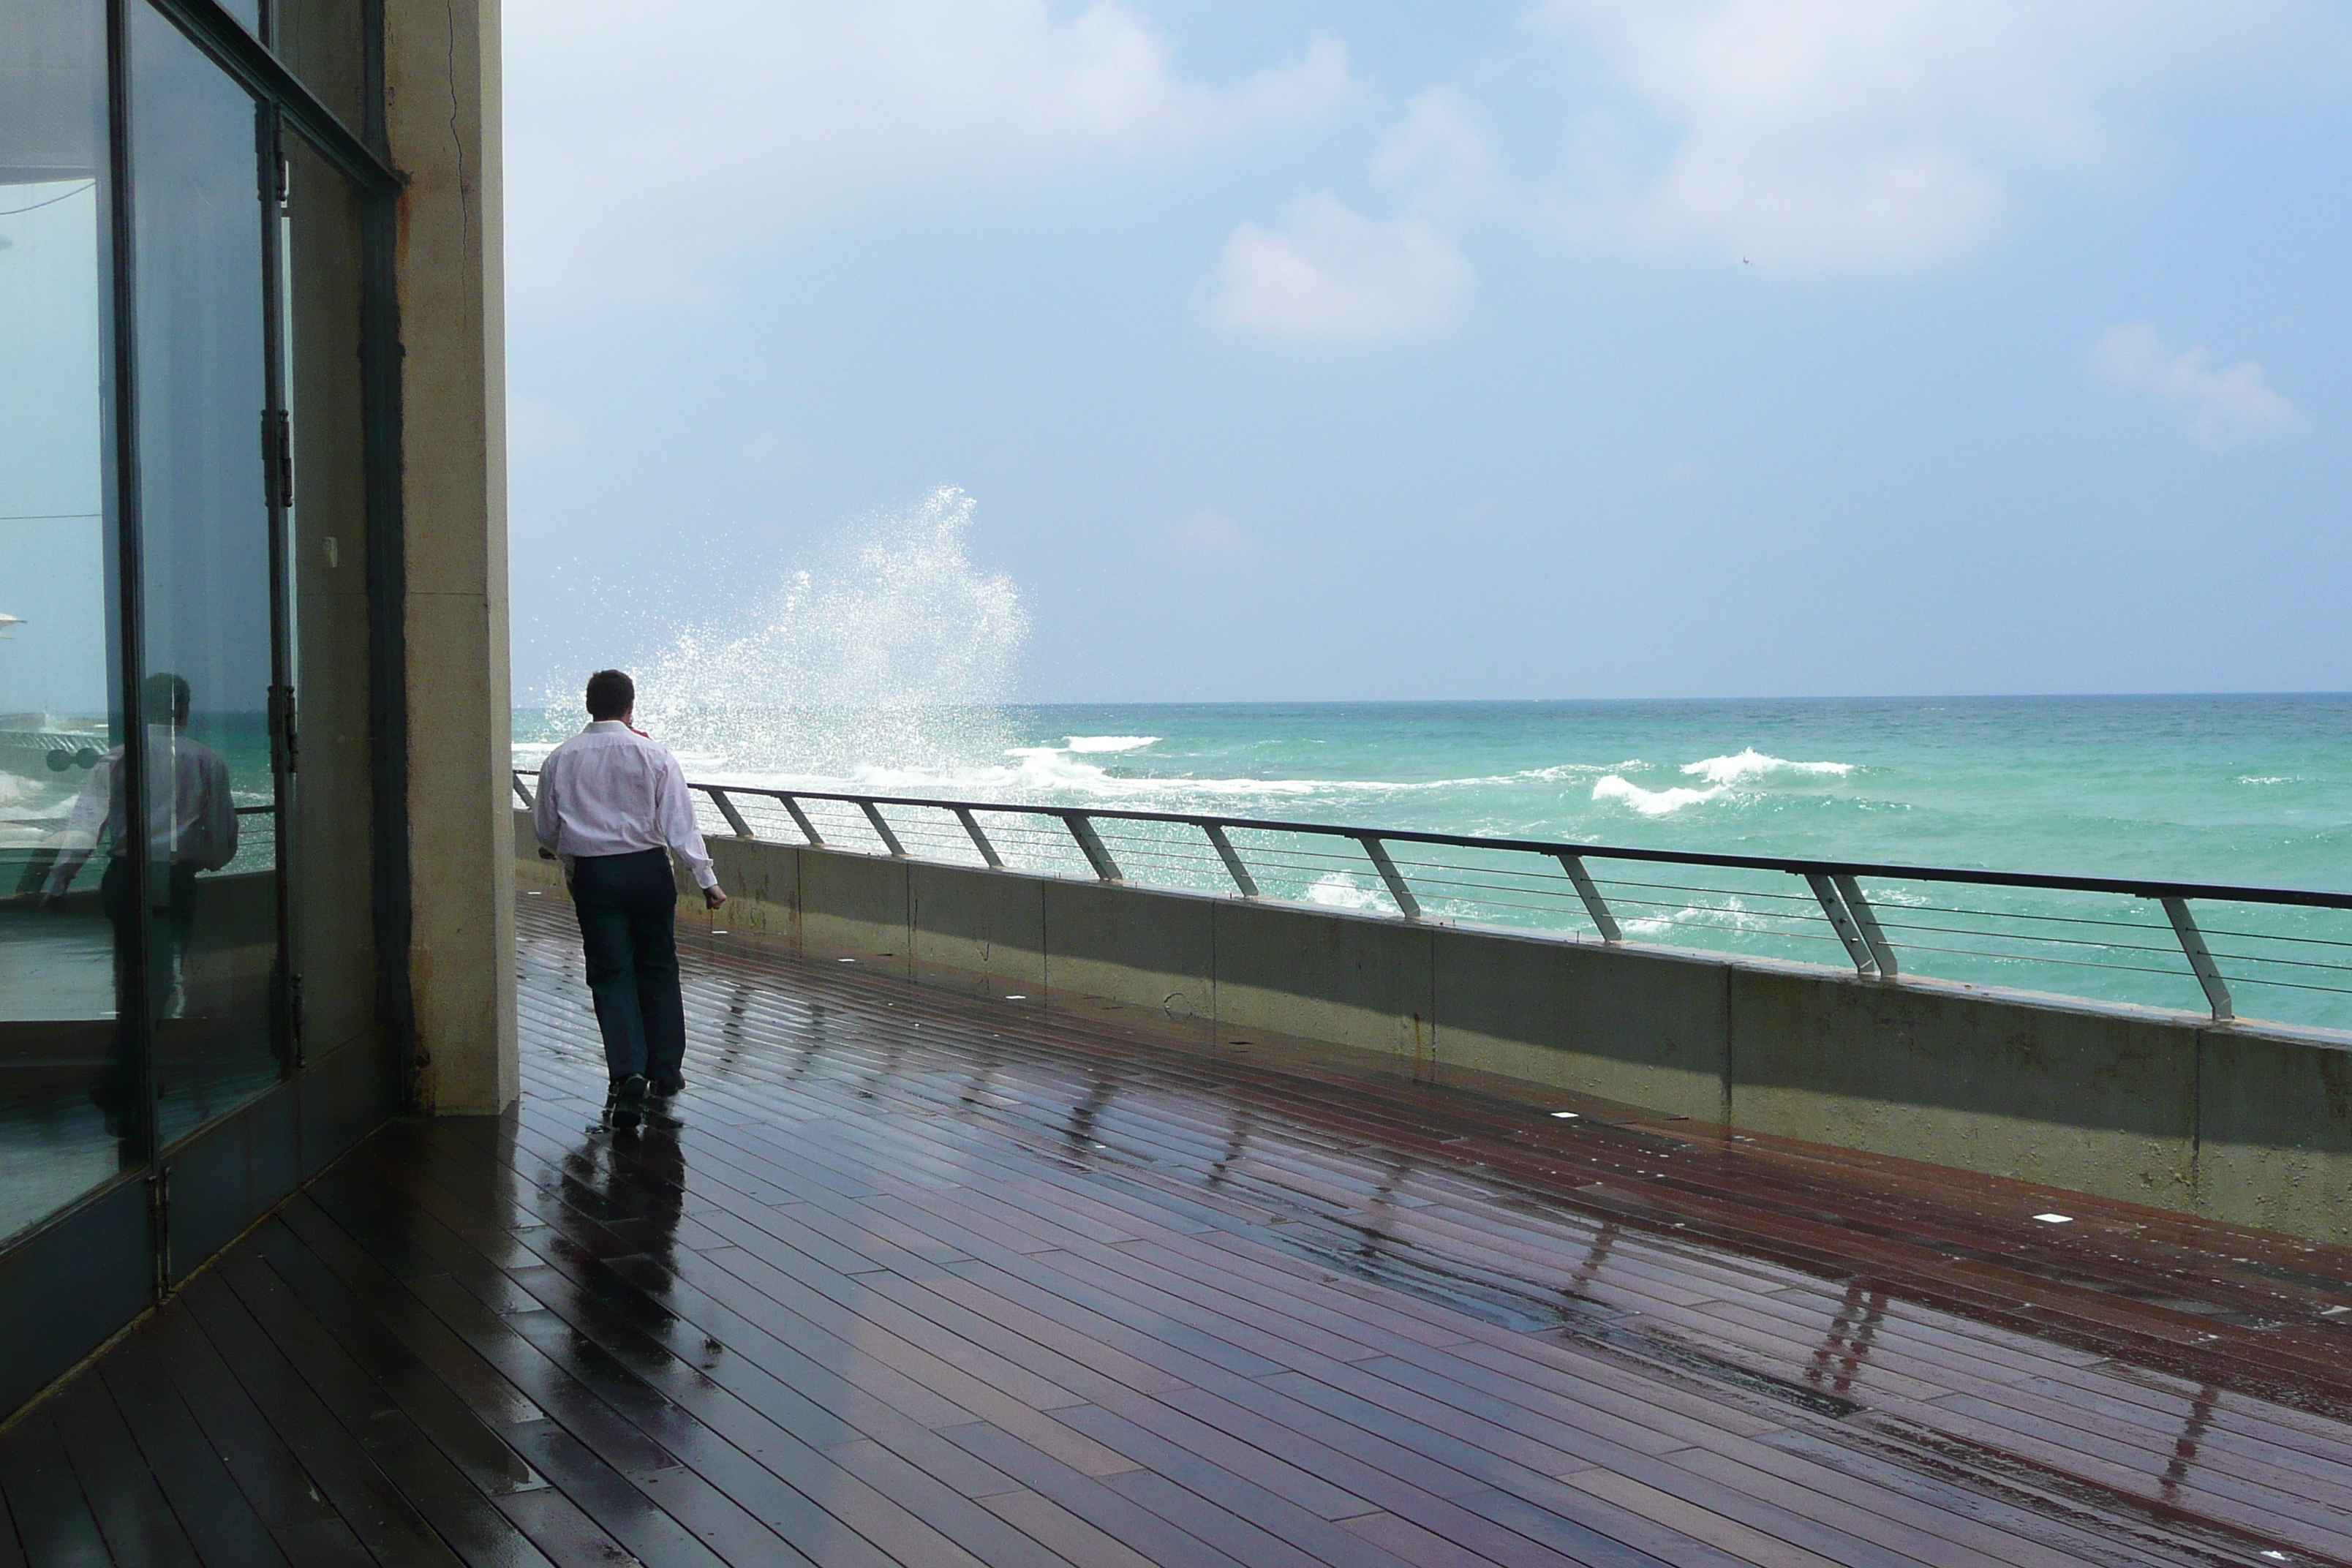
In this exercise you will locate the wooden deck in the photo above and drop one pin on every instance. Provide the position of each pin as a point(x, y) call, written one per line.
point(919, 1279)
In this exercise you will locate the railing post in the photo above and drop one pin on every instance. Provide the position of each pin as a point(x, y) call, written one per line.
point(882, 830)
point(801, 821)
point(727, 809)
point(1091, 846)
point(521, 790)
point(979, 839)
point(1842, 921)
point(2200, 959)
point(1594, 905)
point(1234, 866)
point(1407, 905)
point(1881, 952)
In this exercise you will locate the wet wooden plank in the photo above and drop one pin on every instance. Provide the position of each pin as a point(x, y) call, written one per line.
point(1091, 1500)
point(12, 1551)
point(915, 1278)
point(130, 1507)
point(351, 1473)
point(171, 1358)
point(953, 1512)
point(346, 1337)
point(53, 1517)
point(1262, 1495)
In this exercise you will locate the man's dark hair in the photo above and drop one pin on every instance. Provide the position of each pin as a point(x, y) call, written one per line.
point(167, 699)
point(611, 694)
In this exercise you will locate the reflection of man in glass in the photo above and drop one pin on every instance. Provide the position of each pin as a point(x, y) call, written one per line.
point(191, 827)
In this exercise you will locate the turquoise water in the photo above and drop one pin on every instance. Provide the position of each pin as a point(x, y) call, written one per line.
point(37, 800)
point(2245, 790)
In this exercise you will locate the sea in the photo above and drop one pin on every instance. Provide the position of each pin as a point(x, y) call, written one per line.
point(885, 659)
point(2253, 790)
point(2243, 790)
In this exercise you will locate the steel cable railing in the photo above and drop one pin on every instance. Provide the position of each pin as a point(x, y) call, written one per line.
point(2095, 938)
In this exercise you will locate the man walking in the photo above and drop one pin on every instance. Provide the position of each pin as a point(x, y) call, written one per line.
point(611, 804)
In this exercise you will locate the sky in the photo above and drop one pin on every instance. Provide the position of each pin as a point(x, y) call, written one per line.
point(1293, 350)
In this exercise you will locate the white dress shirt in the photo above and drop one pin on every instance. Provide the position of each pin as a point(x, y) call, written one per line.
point(611, 790)
point(191, 816)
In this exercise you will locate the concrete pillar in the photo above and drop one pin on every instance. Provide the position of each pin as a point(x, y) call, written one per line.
point(441, 91)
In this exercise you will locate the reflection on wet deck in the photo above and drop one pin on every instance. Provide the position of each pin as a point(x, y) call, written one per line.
point(914, 1279)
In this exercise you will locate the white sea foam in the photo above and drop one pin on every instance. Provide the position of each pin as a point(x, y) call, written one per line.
point(1729, 915)
point(1338, 889)
point(2263, 779)
point(1652, 802)
point(1109, 743)
point(1561, 772)
point(1558, 772)
point(1752, 763)
point(1033, 772)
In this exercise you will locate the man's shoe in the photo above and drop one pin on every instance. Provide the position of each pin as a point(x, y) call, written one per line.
point(627, 1105)
point(662, 1088)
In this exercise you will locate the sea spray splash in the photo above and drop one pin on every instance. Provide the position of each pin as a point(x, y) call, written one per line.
point(890, 654)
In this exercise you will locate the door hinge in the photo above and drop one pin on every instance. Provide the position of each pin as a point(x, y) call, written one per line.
point(285, 729)
point(294, 1016)
point(276, 458)
point(159, 1218)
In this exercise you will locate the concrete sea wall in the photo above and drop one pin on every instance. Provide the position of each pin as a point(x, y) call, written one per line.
point(2232, 1122)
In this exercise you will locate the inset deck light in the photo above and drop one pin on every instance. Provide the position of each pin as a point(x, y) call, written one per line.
point(2055, 1218)
point(1015, 997)
point(1565, 1115)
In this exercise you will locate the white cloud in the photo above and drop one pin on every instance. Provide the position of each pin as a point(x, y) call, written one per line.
point(644, 148)
point(2221, 408)
point(1440, 159)
point(1331, 273)
point(1208, 538)
point(1872, 135)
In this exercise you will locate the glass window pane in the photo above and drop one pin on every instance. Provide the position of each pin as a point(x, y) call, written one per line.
point(206, 565)
point(325, 43)
point(330, 825)
point(59, 679)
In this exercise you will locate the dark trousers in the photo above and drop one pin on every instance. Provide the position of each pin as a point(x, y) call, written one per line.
point(628, 907)
point(170, 925)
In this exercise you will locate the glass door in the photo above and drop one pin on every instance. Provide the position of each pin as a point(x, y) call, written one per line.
point(71, 1090)
point(183, 293)
point(211, 617)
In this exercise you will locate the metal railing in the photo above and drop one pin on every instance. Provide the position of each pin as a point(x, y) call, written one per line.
point(2095, 938)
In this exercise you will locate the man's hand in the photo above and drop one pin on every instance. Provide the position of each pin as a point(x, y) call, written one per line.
point(714, 895)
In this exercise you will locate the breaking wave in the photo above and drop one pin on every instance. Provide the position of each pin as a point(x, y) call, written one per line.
point(1752, 763)
point(889, 657)
point(1652, 802)
point(1724, 775)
